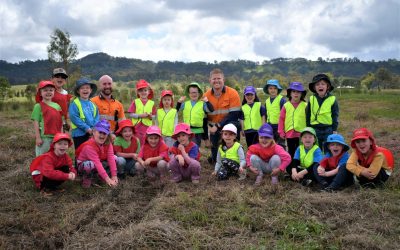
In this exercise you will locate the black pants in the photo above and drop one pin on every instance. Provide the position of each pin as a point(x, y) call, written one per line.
point(379, 180)
point(342, 179)
point(53, 184)
point(309, 175)
point(80, 139)
point(251, 138)
point(292, 144)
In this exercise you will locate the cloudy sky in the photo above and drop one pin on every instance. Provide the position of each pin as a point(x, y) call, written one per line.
point(204, 30)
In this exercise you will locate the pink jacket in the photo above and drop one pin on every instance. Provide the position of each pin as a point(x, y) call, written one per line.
point(257, 149)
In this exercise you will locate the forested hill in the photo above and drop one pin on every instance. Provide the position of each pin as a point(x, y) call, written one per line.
point(125, 69)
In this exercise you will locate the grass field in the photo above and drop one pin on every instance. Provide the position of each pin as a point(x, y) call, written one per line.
point(216, 215)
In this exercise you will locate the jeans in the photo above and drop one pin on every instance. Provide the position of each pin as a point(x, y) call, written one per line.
point(342, 179)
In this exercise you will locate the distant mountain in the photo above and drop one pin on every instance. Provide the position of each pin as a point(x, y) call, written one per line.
point(126, 69)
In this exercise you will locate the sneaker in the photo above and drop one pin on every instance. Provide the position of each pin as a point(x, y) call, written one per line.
point(274, 180)
point(86, 182)
point(195, 181)
point(242, 176)
point(306, 182)
point(328, 190)
point(258, 180)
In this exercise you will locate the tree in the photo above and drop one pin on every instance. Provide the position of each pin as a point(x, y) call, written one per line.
point(383, 76)
point(4, 87)
point(60, 49)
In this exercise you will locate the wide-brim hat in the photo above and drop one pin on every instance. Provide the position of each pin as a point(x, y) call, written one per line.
point(182, 128)
point(43, 84)
point(338, 139)
point(272, 82)
point(193, 84)
point(82, 81)
point(123, 124)
point(318, 78)
point(298, 86)
point(141, 84)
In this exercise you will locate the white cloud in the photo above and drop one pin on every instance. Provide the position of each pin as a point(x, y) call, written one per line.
point(204, 30)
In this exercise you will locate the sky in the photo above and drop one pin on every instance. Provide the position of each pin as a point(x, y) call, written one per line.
point(204, 30)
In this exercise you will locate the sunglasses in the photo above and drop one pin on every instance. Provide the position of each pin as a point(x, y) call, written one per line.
point(60, 76)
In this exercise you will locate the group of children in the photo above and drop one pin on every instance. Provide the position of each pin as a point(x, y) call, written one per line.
point(153, 142)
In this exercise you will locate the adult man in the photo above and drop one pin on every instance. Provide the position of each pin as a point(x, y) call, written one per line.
point(226, 103)
point(61, 96)
point(109, 108)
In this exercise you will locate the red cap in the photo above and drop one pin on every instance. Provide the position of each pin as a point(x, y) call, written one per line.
point(42, 84)
point(361, 133)
point(123, 124)
point(62, 136)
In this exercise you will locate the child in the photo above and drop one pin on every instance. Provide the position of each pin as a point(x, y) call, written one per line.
point(292, 118)
point(307, 156)
point(195, 110)
point(274, 104)
point(46, 116)
point(185, 156)
point(368, 162)
point(53, 168)
point(126, 148)
point(266, 157)
point(83, 113)
point(167, 117)
point(230, 155)
point(153, 156)
point(61, 96)
point(252, 115)
point(97, 156)
point(331, 173)
point(142, 109)
point(322, 112)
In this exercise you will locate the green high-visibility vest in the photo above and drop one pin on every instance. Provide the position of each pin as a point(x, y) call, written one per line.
point(140, 109)
point(194, 115)
point(78, 104)
point(166, 121)
point(252, 116)
point(231, 153)
point(307, 159)
point(295, 117)
point(323, 114)
point(273, 109)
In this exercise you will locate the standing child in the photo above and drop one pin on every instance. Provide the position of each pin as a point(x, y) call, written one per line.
point(167, 117)
point(230, 155)
point(372, 165)
point(252, 115)
point(195, 110)
point(266, 157)
point(142, 109)
point(46, 116)
point(83, 113)
point(185, 156)
point(274, 104)
point(306, 158)
point(322, 112)
point(331, 173)
point(97, 156)
point(126, 148)
point(61, 96)
point(53, 168)
point(153, 155)
point(292, 119)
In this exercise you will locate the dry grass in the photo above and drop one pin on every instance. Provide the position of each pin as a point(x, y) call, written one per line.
point(215, 215)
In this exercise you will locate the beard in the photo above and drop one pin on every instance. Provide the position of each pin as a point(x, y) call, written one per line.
point(107, 91)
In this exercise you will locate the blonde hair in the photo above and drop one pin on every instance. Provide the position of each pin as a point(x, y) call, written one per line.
point(216, 71)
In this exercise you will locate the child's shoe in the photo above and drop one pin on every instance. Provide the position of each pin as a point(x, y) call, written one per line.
point(242, 176)
point(258, 180)
point(306, 182)
point(274, 180)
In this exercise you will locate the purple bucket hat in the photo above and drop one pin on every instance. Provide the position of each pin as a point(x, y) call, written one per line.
point(103, 126)
point(249, 90)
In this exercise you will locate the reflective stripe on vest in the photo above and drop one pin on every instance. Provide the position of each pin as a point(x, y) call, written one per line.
point(166, 121)
point(307, 159)
point(193, 115)
point(252, 116)
point(273, 109)
point(78, 104)
point(231, 153)
point(323, 114)
point(295, 117)
point(140, 109)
